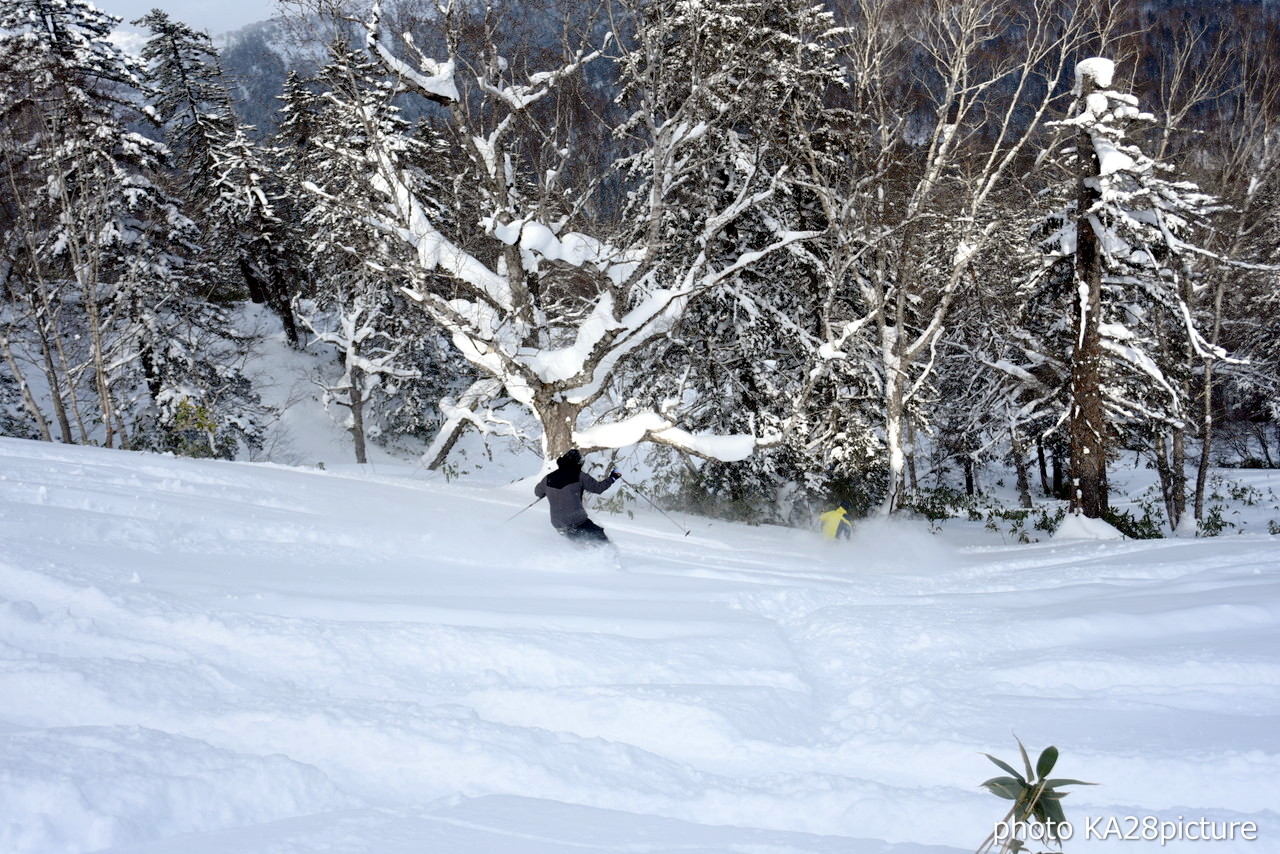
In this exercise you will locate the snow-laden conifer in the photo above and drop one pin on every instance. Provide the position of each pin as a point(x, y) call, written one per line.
point(224, 175)
point(754, 79)
point(1110, 313)
point(393, 369)
point(103, 263)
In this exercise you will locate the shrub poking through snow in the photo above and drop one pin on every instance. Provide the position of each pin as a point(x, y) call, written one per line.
point(1144, 527)
point(1037, 802)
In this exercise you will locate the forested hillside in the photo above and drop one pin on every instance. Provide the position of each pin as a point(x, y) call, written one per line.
point(805, 254)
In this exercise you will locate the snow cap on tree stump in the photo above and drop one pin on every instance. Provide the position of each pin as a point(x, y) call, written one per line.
point(1095, 68)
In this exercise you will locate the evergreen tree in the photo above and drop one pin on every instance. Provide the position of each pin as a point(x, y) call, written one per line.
point(103, 260)
point(393, 370)
point(750, 79)
point(225, 178)
point(1112, 291)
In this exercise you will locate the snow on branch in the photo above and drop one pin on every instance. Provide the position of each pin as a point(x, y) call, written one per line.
point(658, 312)
point(471, 407)
point(434, 81)
point(654, 427)
point(1137, 359)
point(573, 248)
point(434, 250)
point(521, 97)
point(1099, 70)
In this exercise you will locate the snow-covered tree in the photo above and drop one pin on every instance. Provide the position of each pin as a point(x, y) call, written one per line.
point(928, 159)
point(102, 262)
point(390, 353)
point(1113, 281)
point(754, 77)
point(1244, 158)
point(66, 151)
point(549, 311)
point(224, 175)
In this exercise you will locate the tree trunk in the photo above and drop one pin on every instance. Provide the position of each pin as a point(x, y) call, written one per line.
point(911, 455)
point(266, 288)
point(55, 392)
point(449, 434)
point(1264, 445)
point(1162, 454)
point(283, 307)
point(1044, 471)
point(1086, 425)
point(1206, 438)
point(558, 422)
point(481, 391)
point(1020, 466)
point(257, 293)
point(355, 394)
point(98, 345)
point(1178, 485)
point(46, 319)
point(894, 405)
point(28, 399)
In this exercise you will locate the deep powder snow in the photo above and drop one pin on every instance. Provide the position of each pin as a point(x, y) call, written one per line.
point(217, 657)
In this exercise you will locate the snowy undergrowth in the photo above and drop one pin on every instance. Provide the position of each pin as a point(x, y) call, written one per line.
point(224, 657)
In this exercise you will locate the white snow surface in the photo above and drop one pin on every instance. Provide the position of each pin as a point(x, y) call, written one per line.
point(1096, 68)
point(231, 658)
point(630, 431)
point(1076, 527)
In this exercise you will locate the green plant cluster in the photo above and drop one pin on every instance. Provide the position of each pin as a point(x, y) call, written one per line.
point(735, 493)
point(1224, 491)
point(1036, 796)
point(191, 431)
point(940, 503)
point(1215, 522)
point(617, 502)
point(1249, 462)
point(1144, 527)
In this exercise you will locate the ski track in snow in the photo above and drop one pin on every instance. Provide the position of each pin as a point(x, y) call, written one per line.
point(219, 657)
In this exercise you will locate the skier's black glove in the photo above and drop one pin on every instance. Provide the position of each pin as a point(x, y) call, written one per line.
point(615, 475)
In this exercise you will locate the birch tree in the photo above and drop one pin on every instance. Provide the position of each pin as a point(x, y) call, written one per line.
point(1236, 298)
point(102, 263)
point(921, 203)
point(90, 229)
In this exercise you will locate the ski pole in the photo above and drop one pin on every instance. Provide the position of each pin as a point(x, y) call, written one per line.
point(521, 510)
point(655, 506)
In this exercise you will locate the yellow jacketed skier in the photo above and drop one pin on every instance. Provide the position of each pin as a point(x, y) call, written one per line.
point(834, 524)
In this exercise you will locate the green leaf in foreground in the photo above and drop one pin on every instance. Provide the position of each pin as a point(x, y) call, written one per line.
point(1048, 758)
point(1036, 798)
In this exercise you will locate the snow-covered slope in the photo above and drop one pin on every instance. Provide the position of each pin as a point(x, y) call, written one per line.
point(205, 657)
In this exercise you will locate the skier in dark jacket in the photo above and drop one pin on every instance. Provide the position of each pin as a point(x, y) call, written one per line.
point(563, 490)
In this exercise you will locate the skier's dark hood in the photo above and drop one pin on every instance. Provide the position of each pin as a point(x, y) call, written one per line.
point(568, 467)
